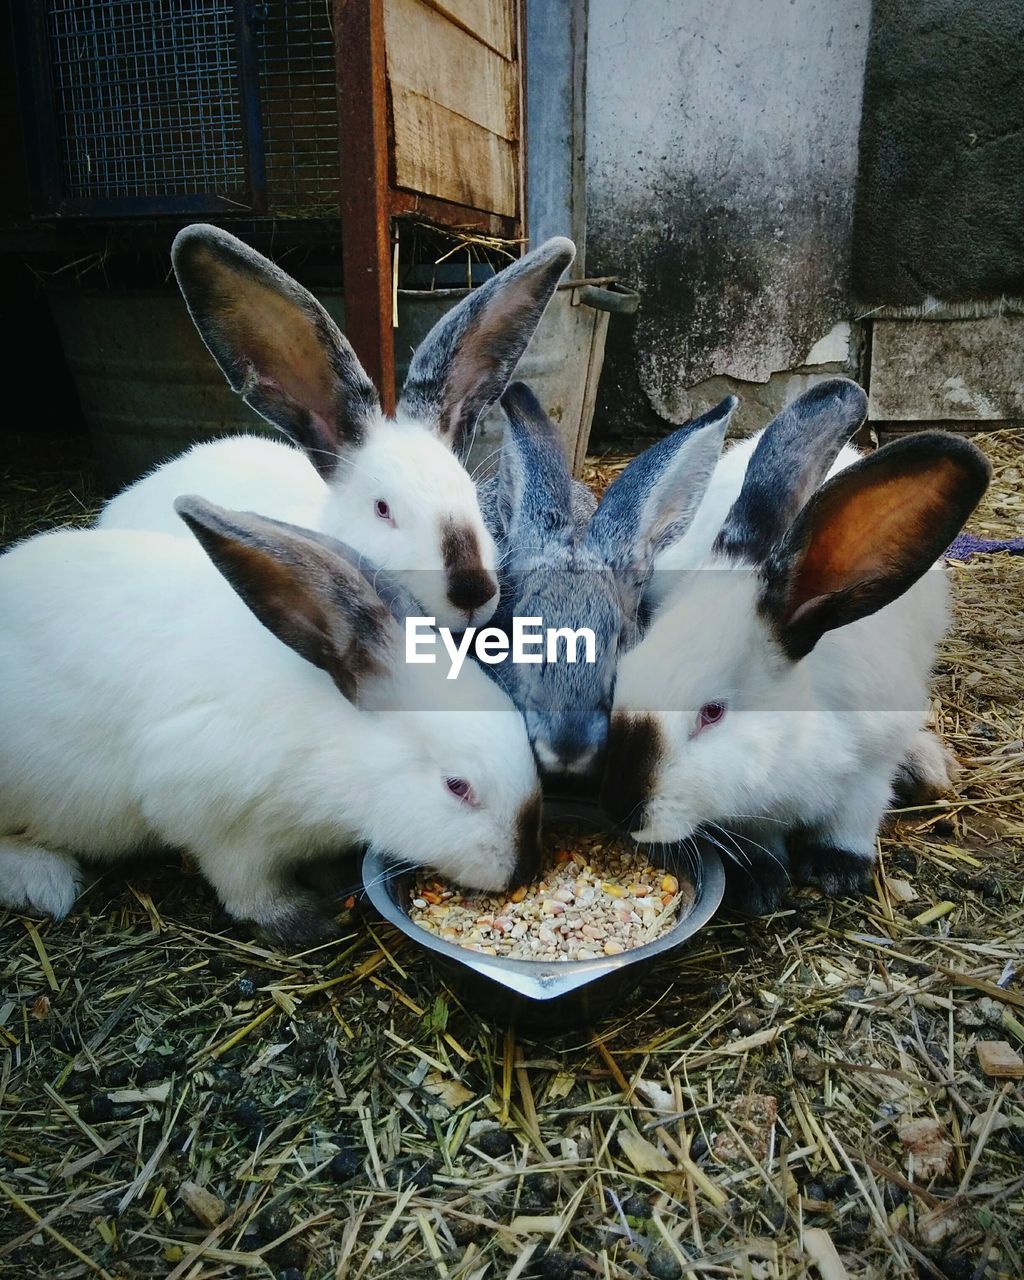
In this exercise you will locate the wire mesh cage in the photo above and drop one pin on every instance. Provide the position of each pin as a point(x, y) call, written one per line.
point(178, 106)
point(299, 105)
point(138, 116)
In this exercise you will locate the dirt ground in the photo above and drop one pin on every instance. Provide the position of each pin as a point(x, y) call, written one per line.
point(801, 1095)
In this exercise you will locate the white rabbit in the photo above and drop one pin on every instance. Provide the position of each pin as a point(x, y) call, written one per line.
point(781, 686)
point(145, 706)
point(804, 435)
point(395, 490)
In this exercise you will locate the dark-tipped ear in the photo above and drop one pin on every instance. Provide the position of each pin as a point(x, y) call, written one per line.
point(792, 458)
point(312, 599)
point(465, 362)
point(535, 488)
point(395, 595)
point(276, 345)
point(651, 504)
point(868, 534)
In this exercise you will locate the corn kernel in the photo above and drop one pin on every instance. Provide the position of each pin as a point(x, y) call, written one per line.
point(569, 912)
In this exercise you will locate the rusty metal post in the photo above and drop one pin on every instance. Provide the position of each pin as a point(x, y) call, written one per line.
point(365, 188)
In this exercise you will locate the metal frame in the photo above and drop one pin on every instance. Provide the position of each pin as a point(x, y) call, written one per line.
point(369, 198)
point(35, 98)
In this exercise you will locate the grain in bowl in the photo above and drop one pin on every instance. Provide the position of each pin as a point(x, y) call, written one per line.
point(597, 896)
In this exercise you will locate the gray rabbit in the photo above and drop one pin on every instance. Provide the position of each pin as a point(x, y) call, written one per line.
point(573, 564)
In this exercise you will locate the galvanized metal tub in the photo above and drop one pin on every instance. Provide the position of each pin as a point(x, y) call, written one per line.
point(149, 388)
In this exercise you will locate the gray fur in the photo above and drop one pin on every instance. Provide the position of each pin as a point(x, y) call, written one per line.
point(573, 565)
point(464, 363)
point(790, 462)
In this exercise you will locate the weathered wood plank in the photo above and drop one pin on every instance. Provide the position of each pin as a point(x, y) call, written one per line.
point(431, 56)
point(947, 370)
point(999, 1059)
point(492, 21)
point(442, 154)
point(446, 213)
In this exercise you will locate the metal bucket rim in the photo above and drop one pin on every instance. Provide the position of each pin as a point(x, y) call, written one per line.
point(547, 979)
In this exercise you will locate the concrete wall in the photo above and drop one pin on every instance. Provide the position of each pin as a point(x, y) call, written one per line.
point(721, 143)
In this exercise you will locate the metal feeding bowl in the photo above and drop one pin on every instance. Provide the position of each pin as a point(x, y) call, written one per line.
point(542, 992)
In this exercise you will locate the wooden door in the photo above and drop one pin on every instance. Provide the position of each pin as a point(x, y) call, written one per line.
point(431, 124)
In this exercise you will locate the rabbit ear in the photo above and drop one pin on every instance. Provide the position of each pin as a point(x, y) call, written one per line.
point(791, 460)
point(464, 363)
point(313, 599)
point(535, 488)
point(651, 504)
point(276, 345)
point(399, 600)
point(868, 534)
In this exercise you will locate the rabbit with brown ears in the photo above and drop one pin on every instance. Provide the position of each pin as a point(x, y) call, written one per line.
point(784, 679)
point(260, 723)
point(394, 489)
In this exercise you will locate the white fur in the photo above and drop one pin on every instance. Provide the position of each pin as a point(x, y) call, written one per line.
point(145, 707)
point(401, 463)
point(694, 547)
point(811, 745)
point(929, 771)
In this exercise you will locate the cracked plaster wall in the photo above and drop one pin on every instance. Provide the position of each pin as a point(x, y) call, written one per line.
point(721, 168)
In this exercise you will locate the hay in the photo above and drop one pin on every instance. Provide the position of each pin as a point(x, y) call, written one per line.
point(46, 482)
point(798, 1096)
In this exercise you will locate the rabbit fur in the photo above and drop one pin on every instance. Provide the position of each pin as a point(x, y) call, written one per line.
point(929, 769)
point(145, 707)
point(394, 489)
point(781, 685)
point(574, 563)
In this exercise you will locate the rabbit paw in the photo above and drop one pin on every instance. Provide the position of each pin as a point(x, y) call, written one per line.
point(756, 890)
point(837, 872)
point(297, 921)
point(38, 879)
point(929, 771)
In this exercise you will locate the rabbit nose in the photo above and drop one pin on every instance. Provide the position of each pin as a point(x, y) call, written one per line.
point(469, 586)
point(576, 747)
point(469, 589)
point(631, 763)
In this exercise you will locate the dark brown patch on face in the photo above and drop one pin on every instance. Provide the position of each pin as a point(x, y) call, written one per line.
point(527, 842)
point(631, 766)
point(468, 584)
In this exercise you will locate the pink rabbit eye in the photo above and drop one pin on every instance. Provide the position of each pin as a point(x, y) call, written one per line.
point(460, 788)
point(710, 713)
point(382, 509)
